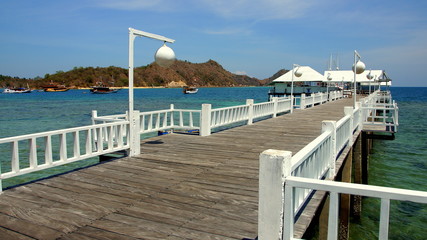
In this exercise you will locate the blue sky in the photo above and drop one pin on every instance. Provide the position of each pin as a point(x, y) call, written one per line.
point(253, 37)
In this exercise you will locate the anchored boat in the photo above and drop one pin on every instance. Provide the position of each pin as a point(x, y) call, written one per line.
point(17, 90)
point(189, 90)
point(102, 89)
point(55, 88)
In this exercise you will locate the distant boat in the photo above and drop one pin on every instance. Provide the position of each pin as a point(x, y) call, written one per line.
point(54, 88)
point(17, 90)
point(189, 90)
point(102, 89)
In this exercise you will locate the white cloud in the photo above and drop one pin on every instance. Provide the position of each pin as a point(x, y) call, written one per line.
point(240, 73)
point(245, 9)
point(156, 5)
point(259, 9)
point(228, 31)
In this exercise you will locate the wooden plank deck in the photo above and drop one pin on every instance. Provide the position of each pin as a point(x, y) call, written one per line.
point(180, 187)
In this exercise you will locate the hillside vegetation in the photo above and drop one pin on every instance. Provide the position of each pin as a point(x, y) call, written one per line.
point(181, 73)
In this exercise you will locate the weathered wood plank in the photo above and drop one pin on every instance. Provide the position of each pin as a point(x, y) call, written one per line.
point(180, 187)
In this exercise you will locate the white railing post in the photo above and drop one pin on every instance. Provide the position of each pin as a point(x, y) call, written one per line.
point(275, 104)
point(172, 120)
point(250, 103)
point(332, 127)
point(313, 99)
point(205, 120)
point(302, 101)
point(274, 166)
point(94, 115)
point(134, 131)
point(349, 111)
point(95, 136)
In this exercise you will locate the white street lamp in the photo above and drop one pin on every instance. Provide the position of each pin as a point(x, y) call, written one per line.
point(297, 73)
point(358, 68)
point(329, 78)
point(369, 76)
point(164, 57)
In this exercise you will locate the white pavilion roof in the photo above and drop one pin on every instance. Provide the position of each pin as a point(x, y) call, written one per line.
point(336, 76)
point(308, 75)
point(348, 76)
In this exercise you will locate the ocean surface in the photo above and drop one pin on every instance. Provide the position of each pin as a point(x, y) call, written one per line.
point(401, 163)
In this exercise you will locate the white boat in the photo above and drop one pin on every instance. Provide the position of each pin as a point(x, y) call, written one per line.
point(189, 90)
point(17, 90)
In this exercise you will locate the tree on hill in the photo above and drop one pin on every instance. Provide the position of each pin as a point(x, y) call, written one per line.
point(207, 74)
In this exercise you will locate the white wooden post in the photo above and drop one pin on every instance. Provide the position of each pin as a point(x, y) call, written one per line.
point(274, 166)
point(313, 99)
point(331, 126)
point(205, 120)
point(172, 120)
point(94, 115)
point(95, 136)
point(250, 103)
point(275, 103)
point(349, 111)
point(134, 144)
point(302, 101)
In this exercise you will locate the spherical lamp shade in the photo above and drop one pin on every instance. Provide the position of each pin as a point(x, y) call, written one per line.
point(360, 67)
point(164, 56)
point(297, 73)
point(369, 76)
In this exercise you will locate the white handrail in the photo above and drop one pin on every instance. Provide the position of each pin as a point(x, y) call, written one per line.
point(73, 144)
point(317, 159)
point(334, 188)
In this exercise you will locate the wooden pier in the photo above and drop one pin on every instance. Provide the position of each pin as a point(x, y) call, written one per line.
point(180, 187)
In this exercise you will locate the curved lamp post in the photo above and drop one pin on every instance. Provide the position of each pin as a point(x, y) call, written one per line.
point(358, 68)
point(297, 73)
point(164, 57)
point(369, 76)
point(329, 78)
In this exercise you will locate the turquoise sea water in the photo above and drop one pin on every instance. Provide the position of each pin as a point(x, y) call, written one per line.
point(400, 163)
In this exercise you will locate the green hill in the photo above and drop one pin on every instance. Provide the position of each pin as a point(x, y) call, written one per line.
point(208, 74)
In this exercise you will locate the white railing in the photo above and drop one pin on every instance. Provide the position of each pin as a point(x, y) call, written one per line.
point(35, 152)
point(219, 117)
point(168, 120)
point(335, 188)
point(381, 114)
point(315, 161)
point(112, 133)
point(318, 98)
point(229, 115)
